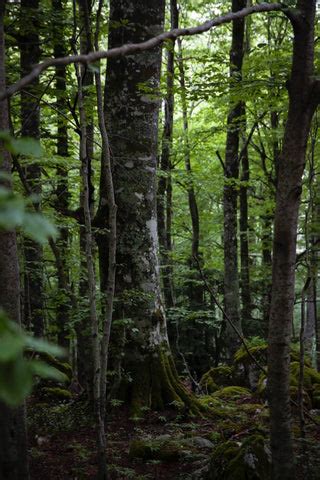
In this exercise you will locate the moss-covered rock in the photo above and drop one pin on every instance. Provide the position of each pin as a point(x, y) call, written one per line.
point(217, 377)
point(257, 348)
point(311, 376)
point(249, 460)
point(56, 393)
point(232, 393)
point(156, 449)
point(294, 394)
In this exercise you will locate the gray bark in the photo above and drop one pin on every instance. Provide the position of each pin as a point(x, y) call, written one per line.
point(132, 118)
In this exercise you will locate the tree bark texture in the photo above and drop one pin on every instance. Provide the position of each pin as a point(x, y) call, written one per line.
point(62, 190)
point(85, 369)
point(164, 204)
point(131, 110)
point(230, 195)
point(244, 246)
point(13, 443)
point(291, 165)
point(30, 127)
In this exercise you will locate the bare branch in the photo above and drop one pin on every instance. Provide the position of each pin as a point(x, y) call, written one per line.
point(133, 48)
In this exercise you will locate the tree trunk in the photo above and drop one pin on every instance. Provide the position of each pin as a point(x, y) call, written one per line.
point(164, 204)
point(85, 371)
point(244, 247)
point(30, 127)
point(266, 243)
point(13, 440)
point(195, 290)
point(291, 166)
point(62, 190)
point(231, 279)
point(132, 117)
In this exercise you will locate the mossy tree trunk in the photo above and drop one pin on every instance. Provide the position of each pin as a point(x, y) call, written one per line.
point(131, 109)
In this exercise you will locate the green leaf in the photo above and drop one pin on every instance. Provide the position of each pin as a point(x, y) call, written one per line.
point(26, 146)
point(15, 381)
point(11, 346)
point(42, 346)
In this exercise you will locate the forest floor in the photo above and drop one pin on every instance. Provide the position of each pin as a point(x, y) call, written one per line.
point(165, 445)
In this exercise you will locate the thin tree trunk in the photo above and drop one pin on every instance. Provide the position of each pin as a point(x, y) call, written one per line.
point(164, 205)
point(13, 439)
point(266, 243)
point(291, 165)
point(62, 190)
point(112, 246)
point(85, 371)
point(30, 127)
point(195, 288)
point(244, 246)
point(234, 122)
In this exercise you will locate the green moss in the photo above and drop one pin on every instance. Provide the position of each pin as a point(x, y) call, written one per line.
point(217, 377)
point(294, 394)
point(257, 348)
point(155, 384)
point(249, 460)
point(232, 393)
point(162, 450)
point(311, 376)
point(56, 393)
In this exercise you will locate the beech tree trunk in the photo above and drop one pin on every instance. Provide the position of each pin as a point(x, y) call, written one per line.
point(13, 444)
point(230, 195)
point(30, 127)
point(302, 103)
point(131, 109)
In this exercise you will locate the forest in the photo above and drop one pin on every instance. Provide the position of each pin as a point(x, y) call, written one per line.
point(159, 240)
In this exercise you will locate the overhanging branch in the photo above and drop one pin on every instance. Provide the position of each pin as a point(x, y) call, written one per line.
point(133, 48)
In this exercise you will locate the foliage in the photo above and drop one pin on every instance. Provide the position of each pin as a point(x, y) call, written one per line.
point(14, 214)
point(16, 371)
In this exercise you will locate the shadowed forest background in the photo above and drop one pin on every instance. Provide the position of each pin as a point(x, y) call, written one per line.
point(159, 240)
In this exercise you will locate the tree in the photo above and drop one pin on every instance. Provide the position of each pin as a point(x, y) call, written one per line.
point(230, 195)
point(13, 444)
point(131, 109)
point(30, 127)
point(303, 99)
